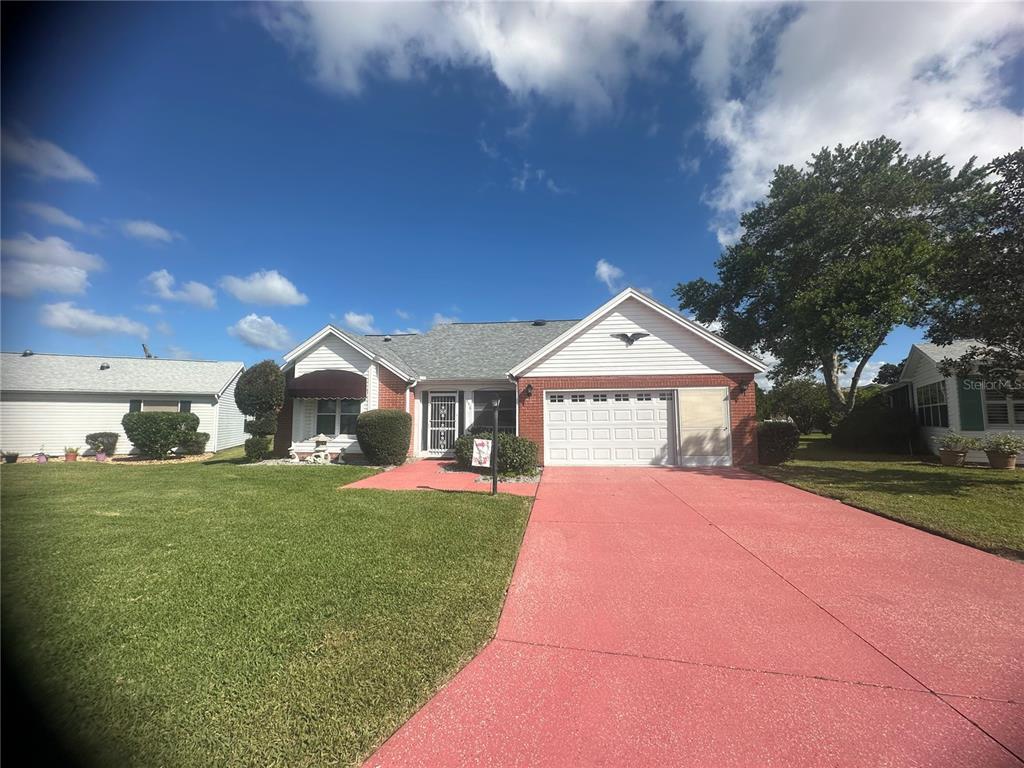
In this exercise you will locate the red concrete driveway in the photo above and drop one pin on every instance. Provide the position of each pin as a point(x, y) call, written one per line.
point(715, 618)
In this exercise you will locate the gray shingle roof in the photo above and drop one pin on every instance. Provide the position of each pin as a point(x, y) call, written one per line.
point(466, 350)
point(938, 352)
point(82, 373)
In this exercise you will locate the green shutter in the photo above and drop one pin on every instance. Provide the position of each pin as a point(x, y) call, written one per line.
point(972, 418)
point(134, 405)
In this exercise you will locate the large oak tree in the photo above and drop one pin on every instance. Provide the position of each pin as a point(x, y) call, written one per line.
point(838, 254)
point(979, 286)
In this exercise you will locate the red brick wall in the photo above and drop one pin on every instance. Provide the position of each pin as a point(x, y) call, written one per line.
point(391, 394)
point(741, 406)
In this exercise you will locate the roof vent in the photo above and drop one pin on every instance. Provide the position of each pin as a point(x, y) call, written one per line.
point(104, 366)
point(387, 338)
point(540, 322)
point(27, 353)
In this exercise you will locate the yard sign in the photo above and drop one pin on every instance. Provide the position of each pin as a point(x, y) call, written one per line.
point(481, 452)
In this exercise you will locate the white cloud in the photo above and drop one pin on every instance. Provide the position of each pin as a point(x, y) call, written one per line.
point(52, 215)
point(153, 309)
point(528, 175)
point(403, 314)
point(440, 319)
point(608, 274)
point(399, 331)
point(261, 332)
point(65, 316)
point(44, 158)
point(648, 291)
point(23, 278)
point(165, 328)
point(930, 75)
point(49, 250)
point(582, 55)
point(488, 149)
point(148, 231)
point(51, 264)
point(264, 287)
point(360, 322)
point(162, 284)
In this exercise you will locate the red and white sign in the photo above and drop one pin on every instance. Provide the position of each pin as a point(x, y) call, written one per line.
point(481, 452)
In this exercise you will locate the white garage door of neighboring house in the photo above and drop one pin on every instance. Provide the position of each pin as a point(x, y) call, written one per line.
point(637, 427)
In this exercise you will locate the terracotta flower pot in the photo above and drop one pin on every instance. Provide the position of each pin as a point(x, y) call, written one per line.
point(70, 457)
point(950, 458)
point(1001, 460)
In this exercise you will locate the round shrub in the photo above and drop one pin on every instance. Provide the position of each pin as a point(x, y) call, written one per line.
point(260, 393)
point(874, 427)
point(776, 441)
point(383, 435)
point(156, 433)
point(516, 455)
point(103, 442)
point(257, 448)
point(194, 444)
point(263, 424)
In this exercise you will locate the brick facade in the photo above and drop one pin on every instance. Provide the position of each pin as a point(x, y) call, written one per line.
point(741, 405)
point(391, 390)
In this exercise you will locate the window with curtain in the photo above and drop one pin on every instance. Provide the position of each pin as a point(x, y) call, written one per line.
point(483, 411)
point(932, 409)
point(337, 417)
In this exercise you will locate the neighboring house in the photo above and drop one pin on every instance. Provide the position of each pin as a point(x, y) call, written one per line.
point(51, 401)
point(634, 383)
point(961, 404)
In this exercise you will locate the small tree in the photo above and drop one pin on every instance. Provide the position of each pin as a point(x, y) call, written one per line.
point(889, 373)
point(803, 400)
point(260, 395)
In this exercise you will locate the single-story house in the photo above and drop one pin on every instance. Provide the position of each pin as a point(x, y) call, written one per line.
point(48, 401)
point(633, 383)
point(966, 405)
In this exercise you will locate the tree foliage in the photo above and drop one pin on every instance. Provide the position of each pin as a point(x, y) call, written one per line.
point(838, 254)
point(803, 400)
point(979, 287)
point(889, 373)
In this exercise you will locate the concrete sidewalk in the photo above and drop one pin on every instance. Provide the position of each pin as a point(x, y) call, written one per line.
point(716, 618)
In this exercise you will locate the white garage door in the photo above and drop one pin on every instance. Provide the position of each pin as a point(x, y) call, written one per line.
point(627, 427)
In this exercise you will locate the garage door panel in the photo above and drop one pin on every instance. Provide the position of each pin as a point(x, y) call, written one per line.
point(556, 415)
point(579, 434)
point(580, 415)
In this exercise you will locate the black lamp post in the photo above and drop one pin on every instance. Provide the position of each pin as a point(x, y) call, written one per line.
point(494, 449)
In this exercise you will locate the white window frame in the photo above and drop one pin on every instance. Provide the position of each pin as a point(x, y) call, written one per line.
point(337, 415)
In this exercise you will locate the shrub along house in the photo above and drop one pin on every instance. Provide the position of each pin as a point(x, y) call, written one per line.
point(51, 401)
point(961, 404)
point(634, 383)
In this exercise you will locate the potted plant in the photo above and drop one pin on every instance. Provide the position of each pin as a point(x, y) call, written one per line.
point(70, 453)
point(10, 457)
point(953, 448)
point(41, 456)
point(1002, 449)
point(103, 444)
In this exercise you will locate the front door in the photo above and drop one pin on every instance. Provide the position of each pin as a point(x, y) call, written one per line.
point(442, 427)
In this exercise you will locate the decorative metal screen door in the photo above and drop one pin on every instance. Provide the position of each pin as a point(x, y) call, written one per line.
point(443, 420)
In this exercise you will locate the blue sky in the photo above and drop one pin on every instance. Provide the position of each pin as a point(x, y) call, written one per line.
point(222, 180)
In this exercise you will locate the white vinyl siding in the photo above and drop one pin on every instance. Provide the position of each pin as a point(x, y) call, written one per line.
point(230, 421)
point(333, 354)
point(668, 349)
point(50, 421)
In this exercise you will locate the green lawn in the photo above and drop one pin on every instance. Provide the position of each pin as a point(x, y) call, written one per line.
point(976, 505)
point(215, 613)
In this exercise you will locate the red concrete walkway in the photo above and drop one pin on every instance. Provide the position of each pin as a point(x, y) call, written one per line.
point(435, 474)
point(715, 618)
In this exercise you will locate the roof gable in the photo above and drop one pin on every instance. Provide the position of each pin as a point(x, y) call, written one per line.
point(354, 342)
point(622, 311)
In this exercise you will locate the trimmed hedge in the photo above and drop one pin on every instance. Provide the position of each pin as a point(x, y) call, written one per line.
point(260, 390)
point(516, 455)
point(383, 435)
point(194, 444)
point(776, 441)
point(873, 427)
point(103, 442)
point(157, 433)
point(257, 448)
